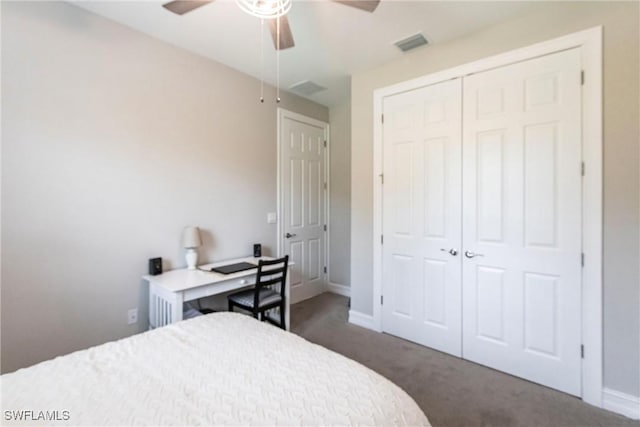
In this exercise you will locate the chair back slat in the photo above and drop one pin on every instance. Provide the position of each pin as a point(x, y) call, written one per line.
point(271, 282)
point(272, 261)
point(272, 271)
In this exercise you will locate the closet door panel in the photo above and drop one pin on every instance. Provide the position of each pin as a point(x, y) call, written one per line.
point(422, 216)
point(522, 220)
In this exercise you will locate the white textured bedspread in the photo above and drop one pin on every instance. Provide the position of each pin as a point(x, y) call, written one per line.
point(219, 369)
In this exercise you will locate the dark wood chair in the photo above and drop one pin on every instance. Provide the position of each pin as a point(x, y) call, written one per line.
point(263, 296)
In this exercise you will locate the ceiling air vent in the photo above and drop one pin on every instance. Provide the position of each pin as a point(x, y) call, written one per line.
point(307, 88)
point(411, 42)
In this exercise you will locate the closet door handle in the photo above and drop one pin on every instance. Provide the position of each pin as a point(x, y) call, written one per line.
point(471, 254)
point(452, 252)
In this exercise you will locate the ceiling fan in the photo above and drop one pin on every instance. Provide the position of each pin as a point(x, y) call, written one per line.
point(181, 7)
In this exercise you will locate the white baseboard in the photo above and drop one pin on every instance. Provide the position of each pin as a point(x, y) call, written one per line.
point(336, 288)
point(363, 320)
point(621, 403)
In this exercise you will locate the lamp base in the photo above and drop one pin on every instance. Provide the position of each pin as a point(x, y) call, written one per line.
point(192, 258)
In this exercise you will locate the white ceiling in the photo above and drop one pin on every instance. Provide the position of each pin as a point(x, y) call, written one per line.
point(332, 41)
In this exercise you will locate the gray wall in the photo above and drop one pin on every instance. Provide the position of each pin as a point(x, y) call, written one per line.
point(112, 143)
point(340, 232)
point(621, 157)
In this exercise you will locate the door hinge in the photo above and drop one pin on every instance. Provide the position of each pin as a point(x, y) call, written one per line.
point(381, 299)
point(582, 258)
point(325, 270)
point(582, 169)
point(382, 118)
point(325, 227)
point(381, 178)
point(325, 143)
point(582, 77)
point(582, 351)
point(381, 239)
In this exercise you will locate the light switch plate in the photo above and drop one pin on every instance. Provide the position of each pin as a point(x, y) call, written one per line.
point(271, 218)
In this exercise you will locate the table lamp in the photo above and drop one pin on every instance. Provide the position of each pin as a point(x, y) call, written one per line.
point(191, 241)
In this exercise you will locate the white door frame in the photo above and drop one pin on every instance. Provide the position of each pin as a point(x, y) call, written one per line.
point(282, 114)
point(590, 44)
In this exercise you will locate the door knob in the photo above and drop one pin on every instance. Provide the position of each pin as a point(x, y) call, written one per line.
point(452, 252)
point(289, 235)
point(471, 254)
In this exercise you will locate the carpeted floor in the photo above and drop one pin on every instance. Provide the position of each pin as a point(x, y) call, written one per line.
point(451, 391)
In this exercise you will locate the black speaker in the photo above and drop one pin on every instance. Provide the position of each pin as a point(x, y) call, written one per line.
point(257, 250)
point(155, 266)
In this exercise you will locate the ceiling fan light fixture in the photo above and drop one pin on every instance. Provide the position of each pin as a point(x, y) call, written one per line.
point(265, 9)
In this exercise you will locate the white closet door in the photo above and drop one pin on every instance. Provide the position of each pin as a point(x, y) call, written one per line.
point(422, 216)
point(522, 217)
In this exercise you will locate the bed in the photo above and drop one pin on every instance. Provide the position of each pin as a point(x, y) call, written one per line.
point(218, 369)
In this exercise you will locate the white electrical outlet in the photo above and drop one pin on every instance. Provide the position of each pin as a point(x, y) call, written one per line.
point(132, 316)
point(271, 218)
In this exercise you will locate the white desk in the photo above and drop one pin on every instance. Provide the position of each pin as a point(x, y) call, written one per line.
point(168, 291)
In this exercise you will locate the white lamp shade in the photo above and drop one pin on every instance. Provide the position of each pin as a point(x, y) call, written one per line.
point(191, 237)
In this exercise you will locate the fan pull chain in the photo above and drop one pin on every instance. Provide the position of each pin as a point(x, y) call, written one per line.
point(278, 59)
point(262, 60)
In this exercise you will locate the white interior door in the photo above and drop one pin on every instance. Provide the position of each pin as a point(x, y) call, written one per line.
point(302, 209)
point(522, 219)
point(422, 216)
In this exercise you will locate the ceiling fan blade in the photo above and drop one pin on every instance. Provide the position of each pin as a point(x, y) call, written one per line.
point(366, 5)
point(286, 38)
point(181, 7)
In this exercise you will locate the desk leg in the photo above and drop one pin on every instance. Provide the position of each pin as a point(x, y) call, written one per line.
point(153, 307)
point(287, 298)
point(164, 307)
point(177, 307)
